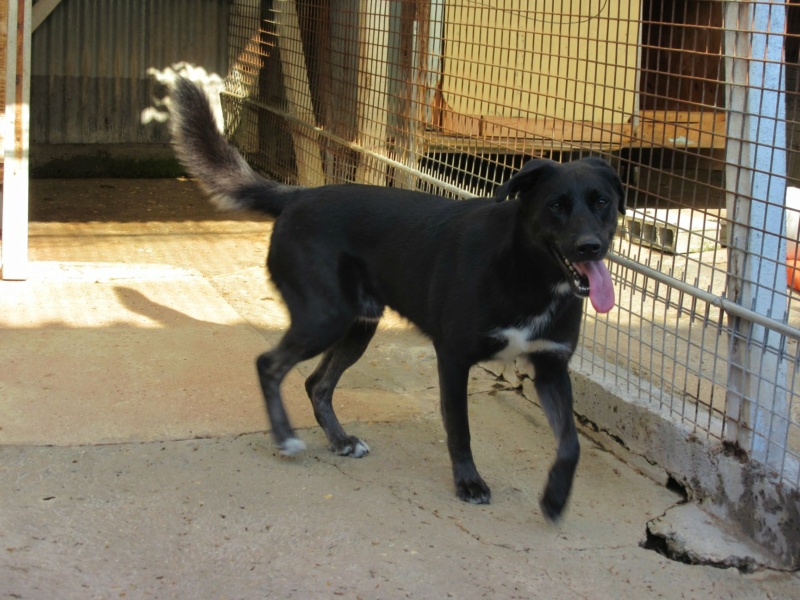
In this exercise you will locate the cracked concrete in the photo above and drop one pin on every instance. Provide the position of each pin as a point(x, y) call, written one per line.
point(104, 492)
point(691, 535)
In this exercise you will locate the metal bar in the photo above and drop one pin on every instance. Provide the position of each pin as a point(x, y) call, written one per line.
point(730, 308)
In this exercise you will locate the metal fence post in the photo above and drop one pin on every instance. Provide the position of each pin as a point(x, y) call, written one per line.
point(14, 203)
point(757, 411)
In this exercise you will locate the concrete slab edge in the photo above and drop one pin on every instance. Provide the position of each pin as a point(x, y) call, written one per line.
point(745, 497)
point(688, 534)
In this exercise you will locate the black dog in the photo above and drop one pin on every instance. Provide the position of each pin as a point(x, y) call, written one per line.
point(482, 278)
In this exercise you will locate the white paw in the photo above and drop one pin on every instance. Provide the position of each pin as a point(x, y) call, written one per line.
point(356, 450)
point(292, 446)
point(361, 449)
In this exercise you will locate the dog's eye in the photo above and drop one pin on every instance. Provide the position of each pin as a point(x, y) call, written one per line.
point(601, 202)
point(557, 206)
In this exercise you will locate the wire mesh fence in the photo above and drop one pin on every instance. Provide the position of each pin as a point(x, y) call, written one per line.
point(695, 102)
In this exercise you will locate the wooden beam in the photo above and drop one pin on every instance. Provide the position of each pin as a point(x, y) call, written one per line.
point(372, 83)
point(42, 10)
point(656, 129)
point(298, 94)
point(15, 177)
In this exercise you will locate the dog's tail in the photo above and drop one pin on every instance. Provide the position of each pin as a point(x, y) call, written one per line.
point(222, 172)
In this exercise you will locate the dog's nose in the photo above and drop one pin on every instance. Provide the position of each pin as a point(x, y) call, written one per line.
point(588, 247)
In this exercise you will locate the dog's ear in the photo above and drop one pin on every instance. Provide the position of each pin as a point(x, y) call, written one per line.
point(526, 176)
point(605, 168)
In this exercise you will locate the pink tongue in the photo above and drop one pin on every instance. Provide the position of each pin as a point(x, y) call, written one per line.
point(601, 290)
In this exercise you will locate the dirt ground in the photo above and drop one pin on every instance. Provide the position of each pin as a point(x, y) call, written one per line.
point(134, 461)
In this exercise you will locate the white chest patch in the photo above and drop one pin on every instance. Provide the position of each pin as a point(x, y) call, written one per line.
point(526, 339)
point(518, 342)
point(562, 289)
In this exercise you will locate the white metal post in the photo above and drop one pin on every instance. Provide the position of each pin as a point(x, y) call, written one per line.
point(15, 177)
point(756, 407)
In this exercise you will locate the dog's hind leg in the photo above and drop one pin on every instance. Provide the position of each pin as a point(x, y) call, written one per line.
point(555, 394)
point(322, 382)
point(298, 344)
point(453, 380)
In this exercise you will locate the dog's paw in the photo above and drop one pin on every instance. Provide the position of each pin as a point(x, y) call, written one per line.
point(352, 447)
point(474, 491)
point(552, 506)
point(291, 446)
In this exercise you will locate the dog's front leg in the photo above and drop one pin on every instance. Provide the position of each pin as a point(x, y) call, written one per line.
point(555, 394)
point(453, 379)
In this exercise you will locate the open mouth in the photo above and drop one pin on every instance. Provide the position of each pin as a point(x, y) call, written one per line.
point(590, 279)
point(578, 281)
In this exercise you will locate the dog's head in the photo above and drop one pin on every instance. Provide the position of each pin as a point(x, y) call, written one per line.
point(571, 210)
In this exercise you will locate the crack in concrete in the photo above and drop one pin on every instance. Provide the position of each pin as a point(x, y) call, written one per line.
point(339, 468)
point(687, 534)
point(457, 522)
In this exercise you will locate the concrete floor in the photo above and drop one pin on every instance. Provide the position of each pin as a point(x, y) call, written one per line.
point(134, 463)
